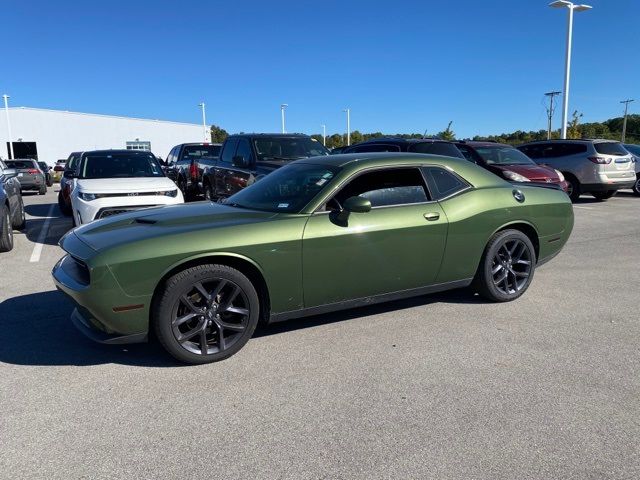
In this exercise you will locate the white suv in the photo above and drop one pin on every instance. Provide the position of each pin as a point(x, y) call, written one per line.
point(109, 182)
point(598, 167)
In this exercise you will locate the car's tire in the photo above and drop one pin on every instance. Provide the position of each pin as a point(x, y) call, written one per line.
point(189, 324)
point(573, 188)
point(604, 195)
point(73, 221)
point(182, 185)
point(21, 222)
point(64, 208)
point(43, 190)
point(511, 252)
point(208, 193)
point(636, 186)
point(6, 231)
point(50, 182)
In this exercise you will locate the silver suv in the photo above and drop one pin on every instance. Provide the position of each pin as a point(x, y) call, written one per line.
point(598, 167)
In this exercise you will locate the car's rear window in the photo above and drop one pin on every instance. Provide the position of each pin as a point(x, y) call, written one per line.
point(21, 164)
point(610, 148)
point(201, 151)
point(436, 148)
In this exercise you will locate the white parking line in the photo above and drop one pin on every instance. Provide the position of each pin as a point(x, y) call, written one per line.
point(586, 208)
point(37, 248)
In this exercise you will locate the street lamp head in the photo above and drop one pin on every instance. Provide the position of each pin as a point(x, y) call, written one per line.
point(283, 105)
point(560, 4)
point(582, 8)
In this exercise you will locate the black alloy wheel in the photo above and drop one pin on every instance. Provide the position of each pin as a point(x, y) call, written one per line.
point(507, 266)
point(206, 313)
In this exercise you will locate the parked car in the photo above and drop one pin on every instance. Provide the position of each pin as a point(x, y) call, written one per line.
point(110, 182)
point(46, 169)
point(317, 235)
point(247, 158)
point(510, 163)
point(598, 167)
point(337, 150)
point(186, 163)
point(635, 151)
point(67, 182)
point(11, 206)
point(434, 146)
point(29, 174)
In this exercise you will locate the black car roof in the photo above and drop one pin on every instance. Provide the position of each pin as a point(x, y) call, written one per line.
point(280, 135)
point(403, 140)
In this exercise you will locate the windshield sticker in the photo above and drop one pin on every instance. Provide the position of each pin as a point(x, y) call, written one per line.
point(327, 175)
point(321, 182)
point(283, 205)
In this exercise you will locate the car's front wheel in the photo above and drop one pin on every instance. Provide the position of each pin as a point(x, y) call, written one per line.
point(604, 195)
point(206, 313)
point(507, 266)
point(6, 231)
point(21, 221)
point(636, 186)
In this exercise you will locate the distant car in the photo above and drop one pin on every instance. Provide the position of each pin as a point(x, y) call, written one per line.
point(246, 158)
point(186, 163)
point(11, 207)
point(510, 163)
point(336, 150)
point(596, 166)
point(29, 174)
point(66, 183)
point(635, 151)
point(435, 146)
point(46, 169)
point(110, 182)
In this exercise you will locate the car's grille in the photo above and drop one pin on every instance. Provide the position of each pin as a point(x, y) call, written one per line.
point(109, 212)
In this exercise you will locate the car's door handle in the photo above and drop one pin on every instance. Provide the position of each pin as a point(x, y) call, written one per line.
point(432, 216)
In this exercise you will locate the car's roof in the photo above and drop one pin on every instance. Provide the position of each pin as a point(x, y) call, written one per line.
point(480, 143)
point(402, 140)
point(280, 135)
point(381, 158)
point(572, 140)
point(202, 143)
point(119, 150)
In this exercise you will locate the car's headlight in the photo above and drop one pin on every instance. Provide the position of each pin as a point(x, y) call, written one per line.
point(560, 175)
point(87, 196)
point(515, 177)
point(169, 193)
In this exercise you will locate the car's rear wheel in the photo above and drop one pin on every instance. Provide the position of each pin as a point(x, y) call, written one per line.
point(573, 188)
point(636, 186)
point(507, 266)
point(64, 208)
point(6, 231)
point(206, 313)
point(604, 195)
point(182, 185)
point(43, 190)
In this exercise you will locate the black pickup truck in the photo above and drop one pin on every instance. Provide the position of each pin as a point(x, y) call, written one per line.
point(186, 164)
point(245, 158)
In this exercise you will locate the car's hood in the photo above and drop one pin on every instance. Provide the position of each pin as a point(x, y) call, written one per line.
point(165, 221)
point(115, 185)
point(532, 172)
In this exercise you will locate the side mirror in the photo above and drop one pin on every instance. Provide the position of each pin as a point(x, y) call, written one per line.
point(239, 161)
point(357, 205)
point(69, 174)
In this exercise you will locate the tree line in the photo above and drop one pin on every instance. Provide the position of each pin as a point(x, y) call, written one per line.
point(609, 129)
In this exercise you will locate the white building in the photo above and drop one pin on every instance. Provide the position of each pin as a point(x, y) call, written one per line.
point(53, 134)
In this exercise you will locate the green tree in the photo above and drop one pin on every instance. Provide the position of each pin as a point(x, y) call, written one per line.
point(573, 129)
point(218, 135)
point(447, 134)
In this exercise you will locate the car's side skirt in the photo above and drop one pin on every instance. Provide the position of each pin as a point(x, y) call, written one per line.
point(361, 302)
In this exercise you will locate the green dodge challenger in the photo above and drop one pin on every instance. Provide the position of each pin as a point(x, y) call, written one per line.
point(318, 235)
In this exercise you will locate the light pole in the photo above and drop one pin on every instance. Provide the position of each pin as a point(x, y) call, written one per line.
point(324, 135)
point(567, 62)
point(624, 122)
point(6, 110)
point(550, 111)
point(282, 107)
point(348, 112)
point(204, 121)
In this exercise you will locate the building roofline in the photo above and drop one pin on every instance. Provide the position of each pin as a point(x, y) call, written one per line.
point(105, 116)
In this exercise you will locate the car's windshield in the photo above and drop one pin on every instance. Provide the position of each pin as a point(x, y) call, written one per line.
point(635, 149)
point(503, 156)
point(289, 189)
point(288, 148)
point(201, 151)
point(119, 165)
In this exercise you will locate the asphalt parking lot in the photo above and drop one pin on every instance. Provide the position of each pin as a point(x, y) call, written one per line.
point(444, 386)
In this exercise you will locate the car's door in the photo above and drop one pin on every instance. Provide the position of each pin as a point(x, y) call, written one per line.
point(239, 174)
point(396, 246)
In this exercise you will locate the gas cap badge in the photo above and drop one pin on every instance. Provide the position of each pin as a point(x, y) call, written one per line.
point(518, 195)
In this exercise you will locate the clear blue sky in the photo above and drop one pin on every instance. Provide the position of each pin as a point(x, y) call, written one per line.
point(402, 66)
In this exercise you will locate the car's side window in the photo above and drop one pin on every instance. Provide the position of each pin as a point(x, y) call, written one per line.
point(229, 150)
point(387, 187)
point(243, 150)
point(171, 158)
point(181, 157)
point(443, 183)
point(469, 154)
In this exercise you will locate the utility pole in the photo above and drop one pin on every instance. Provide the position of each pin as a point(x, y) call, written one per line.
point(550, 111)
point(6, 110)
point(624, 122)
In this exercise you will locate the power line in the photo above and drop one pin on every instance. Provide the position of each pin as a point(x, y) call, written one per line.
point(624, 122)
point(550, 111)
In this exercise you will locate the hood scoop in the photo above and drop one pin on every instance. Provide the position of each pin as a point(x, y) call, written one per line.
point(145, 221)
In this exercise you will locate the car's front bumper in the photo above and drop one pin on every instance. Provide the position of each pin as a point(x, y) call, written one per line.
point(88, 211)
point(104, 312)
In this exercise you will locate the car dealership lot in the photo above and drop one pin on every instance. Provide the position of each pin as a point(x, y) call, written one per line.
point(443, 386)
